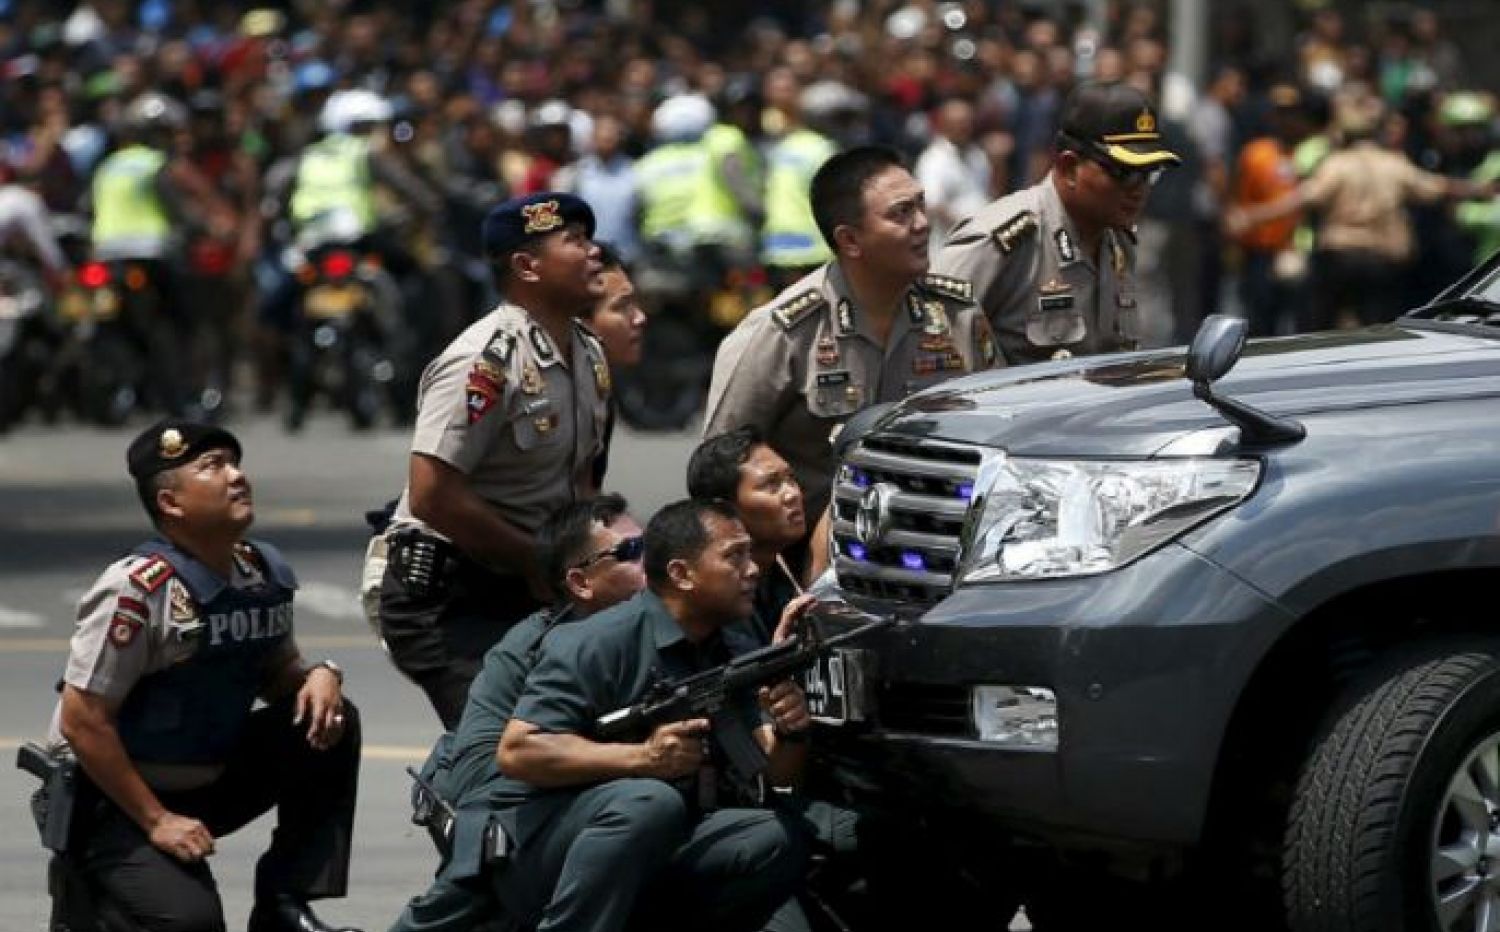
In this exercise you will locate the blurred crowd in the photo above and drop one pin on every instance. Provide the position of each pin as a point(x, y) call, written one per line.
point(482, 98)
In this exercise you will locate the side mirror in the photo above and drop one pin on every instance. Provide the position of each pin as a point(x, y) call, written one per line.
point(1216, 348)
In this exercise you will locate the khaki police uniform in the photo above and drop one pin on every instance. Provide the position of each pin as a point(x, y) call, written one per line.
point(800, 366)
point(524, 421)
point(1042, 295)
point(522, 418)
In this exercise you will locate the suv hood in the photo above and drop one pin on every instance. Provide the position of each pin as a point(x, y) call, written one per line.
point(1134, 404)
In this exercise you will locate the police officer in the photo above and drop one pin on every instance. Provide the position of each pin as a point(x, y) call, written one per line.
point(510, 422)
point(591, 550)
point(137, 206)
point(610, 833)
point(870, 326)
point(1053, 265)
point(174, 645)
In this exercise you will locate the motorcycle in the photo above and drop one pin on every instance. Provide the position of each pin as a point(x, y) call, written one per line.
point(113, 319)
point(694, 296)
point(28, 338)
point(348, 307)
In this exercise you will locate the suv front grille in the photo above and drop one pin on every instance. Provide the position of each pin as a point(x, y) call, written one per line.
point(929, 485)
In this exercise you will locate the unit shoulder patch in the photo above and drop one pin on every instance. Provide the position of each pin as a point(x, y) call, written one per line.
point(1008, 235)
point(151, 574)
point(957, 288)
point(799, 308)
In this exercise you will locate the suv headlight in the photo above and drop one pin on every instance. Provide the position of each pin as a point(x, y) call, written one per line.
point(1035, 518)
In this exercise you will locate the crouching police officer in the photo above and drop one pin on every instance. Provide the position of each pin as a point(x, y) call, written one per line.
point(1053, 265)
point(510, 421)
point(174, 644)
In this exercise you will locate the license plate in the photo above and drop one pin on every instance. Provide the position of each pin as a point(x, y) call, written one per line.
point(106, 303)
point(835, 687)
point(327, 301)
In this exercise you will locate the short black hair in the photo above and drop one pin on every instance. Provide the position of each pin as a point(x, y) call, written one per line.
point(563, 539)
point(146, 488)
point(713, 470)
point(679, 532)
point(838, 187)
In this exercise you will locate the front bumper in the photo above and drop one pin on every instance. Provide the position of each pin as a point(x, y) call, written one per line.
point(1147, 663)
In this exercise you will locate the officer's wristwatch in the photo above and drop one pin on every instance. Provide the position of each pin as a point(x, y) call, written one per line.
point(331, 667)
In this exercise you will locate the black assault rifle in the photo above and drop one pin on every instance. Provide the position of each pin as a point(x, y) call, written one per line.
point(706, 694)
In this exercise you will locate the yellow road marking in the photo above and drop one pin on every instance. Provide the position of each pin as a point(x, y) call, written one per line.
point(320, 641)
point(381, 752)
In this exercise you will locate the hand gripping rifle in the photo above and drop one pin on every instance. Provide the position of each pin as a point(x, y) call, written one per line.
point(706, 694)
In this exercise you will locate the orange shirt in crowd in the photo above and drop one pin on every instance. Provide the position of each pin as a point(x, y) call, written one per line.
point(1263, 174)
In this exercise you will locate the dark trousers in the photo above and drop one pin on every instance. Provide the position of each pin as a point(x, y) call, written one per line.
point(1267, 299)
point(628, 854)
point(438, 633)
point(1366, 282)
point(312, 791)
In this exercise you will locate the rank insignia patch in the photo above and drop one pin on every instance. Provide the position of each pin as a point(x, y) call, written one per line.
point(1008, 235)
point(151, 574)
point(601, 377)
point(796, 309)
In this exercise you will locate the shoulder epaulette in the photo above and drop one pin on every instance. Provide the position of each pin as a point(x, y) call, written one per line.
point(957, 288)
point(151, 574)
point(1008, 234)
point(501, 347)
point(798, 309)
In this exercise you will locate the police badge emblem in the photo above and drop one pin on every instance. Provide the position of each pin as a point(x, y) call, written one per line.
point(531, 380)
point(171, 445)
point(542, 217)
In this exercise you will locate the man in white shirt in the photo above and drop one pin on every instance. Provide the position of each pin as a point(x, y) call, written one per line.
point(953, 169)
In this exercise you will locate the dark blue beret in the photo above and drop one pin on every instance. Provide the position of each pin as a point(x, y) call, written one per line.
point(510, 225)
point(173, 441)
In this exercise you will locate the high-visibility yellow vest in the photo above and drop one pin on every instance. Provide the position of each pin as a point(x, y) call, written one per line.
point(129, 219)
point(334, 173)
point(790, 238)
point(684, 198)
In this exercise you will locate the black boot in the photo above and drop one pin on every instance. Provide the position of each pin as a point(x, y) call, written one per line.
point(284, 913)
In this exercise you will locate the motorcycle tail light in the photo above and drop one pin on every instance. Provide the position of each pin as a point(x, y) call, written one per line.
point(338, 264)
point(755, 277)
point(135, 278)
point(93, 275)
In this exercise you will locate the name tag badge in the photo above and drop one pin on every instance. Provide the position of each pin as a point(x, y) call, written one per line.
point(833, 379)
point(1056, 302)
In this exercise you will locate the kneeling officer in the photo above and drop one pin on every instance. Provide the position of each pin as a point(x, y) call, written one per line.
point(174, 644)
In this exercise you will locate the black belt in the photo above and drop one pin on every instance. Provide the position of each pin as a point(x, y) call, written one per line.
point(425, 562)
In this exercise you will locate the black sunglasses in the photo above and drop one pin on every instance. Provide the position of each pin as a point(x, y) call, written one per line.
point(627, 550)
point(1124, 175)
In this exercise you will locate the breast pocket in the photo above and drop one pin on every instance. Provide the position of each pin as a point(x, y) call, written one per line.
point(836, 394)
point(1056, 322)
point(535, 422)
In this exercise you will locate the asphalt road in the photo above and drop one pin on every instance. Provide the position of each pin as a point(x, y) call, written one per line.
point(67, 508)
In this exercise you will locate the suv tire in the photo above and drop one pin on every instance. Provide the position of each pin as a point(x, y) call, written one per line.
point(1403, 777)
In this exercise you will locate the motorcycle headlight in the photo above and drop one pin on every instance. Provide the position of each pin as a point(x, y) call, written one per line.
point(1035, 518)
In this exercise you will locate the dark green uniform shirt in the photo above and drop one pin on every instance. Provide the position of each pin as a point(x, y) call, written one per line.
point(492, 699)
point(592, 667)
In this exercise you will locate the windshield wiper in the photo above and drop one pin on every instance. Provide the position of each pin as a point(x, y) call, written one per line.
point(1461, 309)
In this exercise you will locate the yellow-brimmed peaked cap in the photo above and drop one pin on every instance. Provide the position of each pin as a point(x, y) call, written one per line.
point(1118, 121)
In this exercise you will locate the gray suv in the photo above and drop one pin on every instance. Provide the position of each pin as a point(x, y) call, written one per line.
point(1227, 613)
